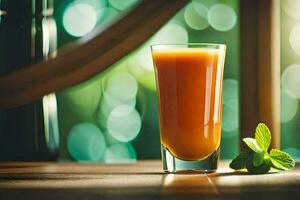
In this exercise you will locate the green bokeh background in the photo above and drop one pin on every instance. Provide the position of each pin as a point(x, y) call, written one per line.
point(81, 103)
point(290, 18)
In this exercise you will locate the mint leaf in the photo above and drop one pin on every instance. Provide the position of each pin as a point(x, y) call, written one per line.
point(263, 136)
point(258, 159)
point(281, 160)
point(240, 161)
point(251, 143)
point(261, 169)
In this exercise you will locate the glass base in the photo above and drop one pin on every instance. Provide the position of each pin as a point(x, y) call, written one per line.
point(176, 165)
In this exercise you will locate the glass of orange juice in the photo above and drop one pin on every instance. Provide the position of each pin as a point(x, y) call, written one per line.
point(189, 79)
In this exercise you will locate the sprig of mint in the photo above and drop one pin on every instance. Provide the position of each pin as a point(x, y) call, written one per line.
point(256, 158)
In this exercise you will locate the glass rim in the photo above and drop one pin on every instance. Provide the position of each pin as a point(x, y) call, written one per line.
point(192, 44)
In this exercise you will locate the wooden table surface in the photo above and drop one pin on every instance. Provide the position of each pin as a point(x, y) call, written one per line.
point(142, 180)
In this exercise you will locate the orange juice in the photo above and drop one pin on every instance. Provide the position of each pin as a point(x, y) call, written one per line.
point(189, 84)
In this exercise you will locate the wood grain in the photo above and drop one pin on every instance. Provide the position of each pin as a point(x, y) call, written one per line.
point(89, 56)
point(260, 67)
point(142, 180)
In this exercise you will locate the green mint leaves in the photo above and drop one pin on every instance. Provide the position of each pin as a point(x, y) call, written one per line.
point(256, 159)
point(281, 160)
point(252, 144)
point(241, 160)
point(263, 137)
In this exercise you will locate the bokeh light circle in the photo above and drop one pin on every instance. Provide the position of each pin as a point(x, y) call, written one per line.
point(294, 38)
point(290, 80)
point(108, 103)
point(230, 118)
point(170, 34)
point(289, 107)
point(120, 153)
point(79, 19)
point(141, 64)
point(109, 139)
point(222, 17)
point(86, 142)
point(121, 86)
point(195, 15)
point(145, 77)
point(230, 90)
point(291, 8)
point(124, 123)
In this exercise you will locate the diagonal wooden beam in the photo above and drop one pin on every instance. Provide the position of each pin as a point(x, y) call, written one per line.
point(88, 56)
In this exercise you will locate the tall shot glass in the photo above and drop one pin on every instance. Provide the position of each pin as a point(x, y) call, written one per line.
point(189, 79)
